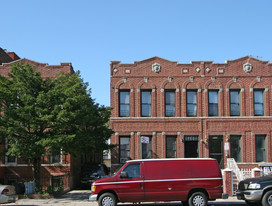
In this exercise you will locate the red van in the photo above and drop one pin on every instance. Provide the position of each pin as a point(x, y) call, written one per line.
point(192, 181)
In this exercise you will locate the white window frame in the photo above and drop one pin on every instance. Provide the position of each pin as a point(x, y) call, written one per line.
point(51, 158)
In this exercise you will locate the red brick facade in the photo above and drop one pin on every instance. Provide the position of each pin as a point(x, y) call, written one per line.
point(19, 171)
point(244, 75)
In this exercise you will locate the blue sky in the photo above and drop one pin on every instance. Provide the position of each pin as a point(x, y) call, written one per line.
point(90, 33)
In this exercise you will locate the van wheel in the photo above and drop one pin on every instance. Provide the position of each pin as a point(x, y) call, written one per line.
point(107, 199)
point(267, 199)
point(198, 199)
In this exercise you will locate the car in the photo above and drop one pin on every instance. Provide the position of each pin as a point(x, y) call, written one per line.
point(91, 172)
point(256, 191)
point(7, 194)
point(194, 181)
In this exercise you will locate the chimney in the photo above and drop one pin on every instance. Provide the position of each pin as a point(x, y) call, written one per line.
point(13, 55)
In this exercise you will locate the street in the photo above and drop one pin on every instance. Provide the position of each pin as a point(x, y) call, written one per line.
point(80, 198)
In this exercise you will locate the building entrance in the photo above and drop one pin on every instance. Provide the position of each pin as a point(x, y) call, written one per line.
point(191, 146)
point(216, 149)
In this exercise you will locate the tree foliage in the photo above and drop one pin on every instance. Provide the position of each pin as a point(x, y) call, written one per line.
point(39, 116)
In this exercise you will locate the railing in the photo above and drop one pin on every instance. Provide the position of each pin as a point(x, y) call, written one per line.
point(231, 164)
point(246, 173)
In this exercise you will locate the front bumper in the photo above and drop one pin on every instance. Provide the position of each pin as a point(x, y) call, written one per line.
point(251, 195)
point(93, 197)
point(8, 198)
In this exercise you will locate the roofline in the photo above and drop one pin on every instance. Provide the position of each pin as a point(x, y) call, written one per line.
point(46, 64)
point(191, 62)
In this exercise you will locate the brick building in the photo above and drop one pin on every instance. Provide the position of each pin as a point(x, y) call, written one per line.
point(55, 169)
point(200, 109)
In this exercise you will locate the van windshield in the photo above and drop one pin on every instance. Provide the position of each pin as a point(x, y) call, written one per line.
point(118, 168)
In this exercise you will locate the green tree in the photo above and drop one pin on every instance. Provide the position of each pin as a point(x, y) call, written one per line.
point(41, 116)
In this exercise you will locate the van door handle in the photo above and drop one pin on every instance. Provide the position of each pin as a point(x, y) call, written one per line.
point(141, 184)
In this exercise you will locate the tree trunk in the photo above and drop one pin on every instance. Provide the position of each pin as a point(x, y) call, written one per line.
point(37, 174)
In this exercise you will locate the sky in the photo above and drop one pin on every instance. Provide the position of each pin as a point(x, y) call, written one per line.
point(92, 33)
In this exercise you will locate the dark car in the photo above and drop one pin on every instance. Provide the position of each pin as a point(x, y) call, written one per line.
point(91, 172)
point(256, 191)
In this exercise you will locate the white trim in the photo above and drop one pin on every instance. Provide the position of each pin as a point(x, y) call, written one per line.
point(159, 180)
point(217, 117)
point(55, 164)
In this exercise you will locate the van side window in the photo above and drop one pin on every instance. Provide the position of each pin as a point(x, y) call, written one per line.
point(133, 170)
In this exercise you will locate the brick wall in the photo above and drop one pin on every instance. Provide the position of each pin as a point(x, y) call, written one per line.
point(200, 76)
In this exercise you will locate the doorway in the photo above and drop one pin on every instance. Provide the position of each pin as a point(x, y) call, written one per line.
point(216, 149)
point(191, 147)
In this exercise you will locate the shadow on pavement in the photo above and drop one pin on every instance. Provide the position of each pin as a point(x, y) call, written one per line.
point(75, 196)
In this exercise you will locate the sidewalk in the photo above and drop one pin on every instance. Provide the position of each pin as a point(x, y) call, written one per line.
point(81, 198)
point(72, 198)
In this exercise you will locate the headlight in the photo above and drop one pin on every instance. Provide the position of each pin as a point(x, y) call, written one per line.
point(254, 186)
point(93, 188)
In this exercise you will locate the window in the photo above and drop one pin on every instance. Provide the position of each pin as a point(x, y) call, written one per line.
point(55, 157)
point(170, 103)
point(124, 149)
point(235, 103)
point(146, 103)
point(235, 147)
point(258, 103)
point(124, 103)
point(213, 103)
point(133, 170)
point(57, 183)
point(191, 103)
point(260, 145)
point(171, 148)
point(146, 147)
point(9, 159)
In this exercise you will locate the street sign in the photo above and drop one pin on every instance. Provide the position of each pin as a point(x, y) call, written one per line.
point(144, 140)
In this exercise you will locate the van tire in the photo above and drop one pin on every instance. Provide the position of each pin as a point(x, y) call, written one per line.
point(107, 199)
point(267, 199)
point(198, 199)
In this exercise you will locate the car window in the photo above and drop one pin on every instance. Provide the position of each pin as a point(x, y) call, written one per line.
point(133, 170)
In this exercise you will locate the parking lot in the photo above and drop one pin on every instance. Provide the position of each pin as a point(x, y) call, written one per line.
point(80, 198)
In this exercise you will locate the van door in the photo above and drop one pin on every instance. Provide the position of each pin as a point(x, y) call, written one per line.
point(163, 180)
point(130, 187)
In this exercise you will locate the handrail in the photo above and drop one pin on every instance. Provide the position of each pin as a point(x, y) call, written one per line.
point(231, 164)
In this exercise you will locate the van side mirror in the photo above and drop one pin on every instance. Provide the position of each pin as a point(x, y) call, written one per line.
point(123, 174)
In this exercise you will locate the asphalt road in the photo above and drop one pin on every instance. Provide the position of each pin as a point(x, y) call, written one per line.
point(80, 198)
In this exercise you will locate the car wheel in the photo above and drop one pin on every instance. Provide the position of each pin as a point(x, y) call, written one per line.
point(107, 199)
point(267, 199)
point(198, 199)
